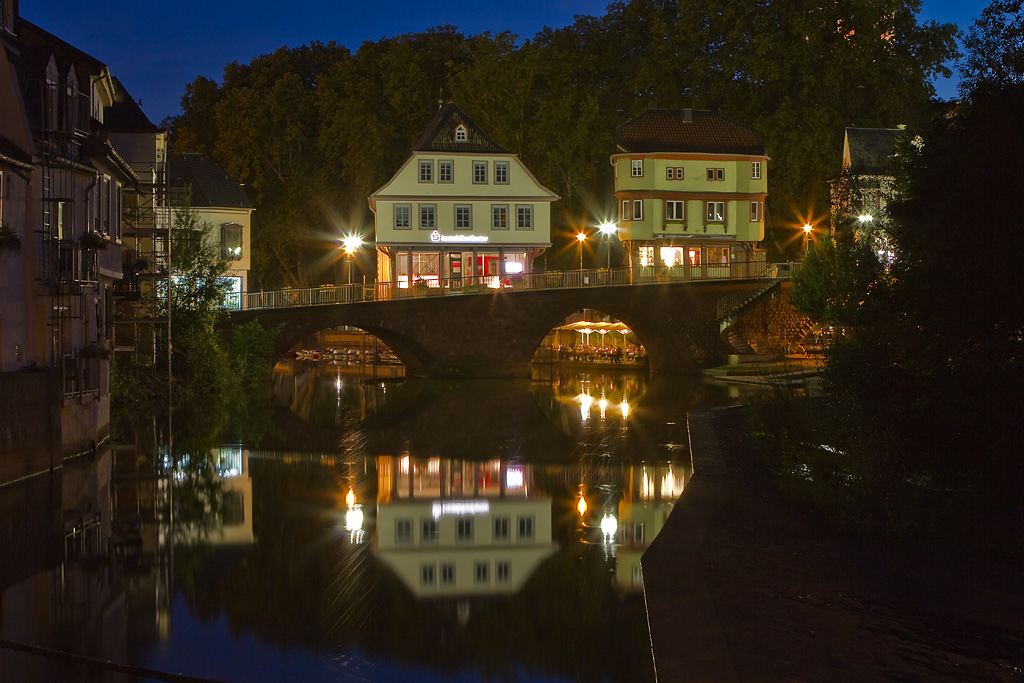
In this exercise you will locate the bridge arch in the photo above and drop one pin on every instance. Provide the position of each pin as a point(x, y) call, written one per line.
point(495, 334)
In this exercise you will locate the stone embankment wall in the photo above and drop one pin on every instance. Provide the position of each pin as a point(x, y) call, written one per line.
point(30, 428)
point(773, 326)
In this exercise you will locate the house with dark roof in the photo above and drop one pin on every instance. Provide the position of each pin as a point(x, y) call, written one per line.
point(690, 186)
point(220, 200)
point(63, 189)
point(461, 206)
point(866, 185)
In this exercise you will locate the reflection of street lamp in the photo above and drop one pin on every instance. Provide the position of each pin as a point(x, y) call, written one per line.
point(608, 229)
point(351, 244)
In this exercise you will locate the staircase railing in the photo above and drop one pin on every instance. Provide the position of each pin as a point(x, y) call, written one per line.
point(730, 305)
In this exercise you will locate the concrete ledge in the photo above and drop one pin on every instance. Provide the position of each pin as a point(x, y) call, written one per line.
point(686, 636)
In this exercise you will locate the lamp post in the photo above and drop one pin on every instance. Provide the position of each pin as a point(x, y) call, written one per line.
point(351, 244)
point(608, 229)
point(581, 237)
point(807, 227)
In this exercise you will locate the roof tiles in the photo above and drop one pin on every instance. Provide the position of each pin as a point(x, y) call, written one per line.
point(687, 130)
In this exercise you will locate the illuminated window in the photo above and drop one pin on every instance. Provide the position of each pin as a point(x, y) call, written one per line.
point(755, 170)
point(463, 217)
point(448, 574)
point(464, 529)
point(445, 171)
point(638, 209)
point(499, 217)
point(503, 572)
point(482, 572)
point(674, 211)
point(426, 171)
point(403, 531)
point(525, 527)
point(402, 212)
point(716, 212)
point(428, 531)
point(427, 574)
point(637, 168)
point(718, 256)
point(501, 528)
point(501, 173)
point(646, 255)
point(231, 241)
point(479, 172)
point(716, 174)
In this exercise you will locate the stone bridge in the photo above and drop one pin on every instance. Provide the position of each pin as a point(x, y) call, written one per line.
point(494, 334)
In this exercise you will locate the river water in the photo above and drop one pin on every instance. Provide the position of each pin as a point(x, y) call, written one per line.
point(374, 529)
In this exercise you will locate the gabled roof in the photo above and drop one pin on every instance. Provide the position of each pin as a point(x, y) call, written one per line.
point(125, 115)
point(439, 135)
point(869, 151)
point(211, 186)
point(686, 130)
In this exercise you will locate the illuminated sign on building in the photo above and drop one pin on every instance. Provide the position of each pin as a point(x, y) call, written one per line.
point(459, 507)
point(438, 237)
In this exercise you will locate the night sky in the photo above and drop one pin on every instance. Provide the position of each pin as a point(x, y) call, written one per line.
point(156, 48)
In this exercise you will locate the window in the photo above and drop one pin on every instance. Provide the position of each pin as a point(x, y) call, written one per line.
point(479, 172)
point(402, 212)
point(427, 574)
point(448, 574)
point(501, 526)
point(638, 209)
point(499, 217)
point(428, 216)
point(464, 529)
point(501, 173)
point(463, 217)
point(403, 531)
point(503, 571)
point(638, 533)
point(524, 218)
point(755, 211)
point(231, 241)
point(674, 210)
point(426, 171)
point(716, 174)
point(755, 170)
point(674, 173)
point(525, 527)
point(637, 168)
point(445, 171)
point(716, 212)
point(481, 572)
point(428, 531)
point(718, 256)
point(626, 214)
point(461, 133)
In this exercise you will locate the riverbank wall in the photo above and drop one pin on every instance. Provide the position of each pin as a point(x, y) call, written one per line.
point(30, 423)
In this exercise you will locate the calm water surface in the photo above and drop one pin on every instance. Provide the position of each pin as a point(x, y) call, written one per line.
point(375, 529)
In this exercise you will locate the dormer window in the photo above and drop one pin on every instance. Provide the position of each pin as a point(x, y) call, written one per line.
point(461, 133)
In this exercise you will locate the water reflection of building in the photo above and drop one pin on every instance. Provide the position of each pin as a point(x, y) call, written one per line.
point(458, 528)
point(232, 467)
point(648, 497)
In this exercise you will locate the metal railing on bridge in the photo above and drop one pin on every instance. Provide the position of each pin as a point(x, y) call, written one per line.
point(561, 279)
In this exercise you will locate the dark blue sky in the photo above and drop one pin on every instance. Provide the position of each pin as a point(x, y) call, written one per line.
point(155, 48)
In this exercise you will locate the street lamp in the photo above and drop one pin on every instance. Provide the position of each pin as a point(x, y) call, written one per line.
point(608, 229)
point(807, 227)
point(351, 244)
point(581, 237)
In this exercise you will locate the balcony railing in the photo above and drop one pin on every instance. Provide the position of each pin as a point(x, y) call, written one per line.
point(460, 286)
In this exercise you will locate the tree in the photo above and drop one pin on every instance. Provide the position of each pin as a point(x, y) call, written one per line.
point(994, 47)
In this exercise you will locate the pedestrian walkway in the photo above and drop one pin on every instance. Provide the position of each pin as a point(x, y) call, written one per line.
point(743, 584)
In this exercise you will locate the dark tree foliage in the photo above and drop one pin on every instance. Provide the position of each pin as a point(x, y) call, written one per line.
point(312, 131)
point(994, 47)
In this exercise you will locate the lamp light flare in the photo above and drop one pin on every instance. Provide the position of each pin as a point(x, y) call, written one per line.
point(581, 506)
point(607, 228)
point(350, 498)
point(807, 227)
point(581, 236)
